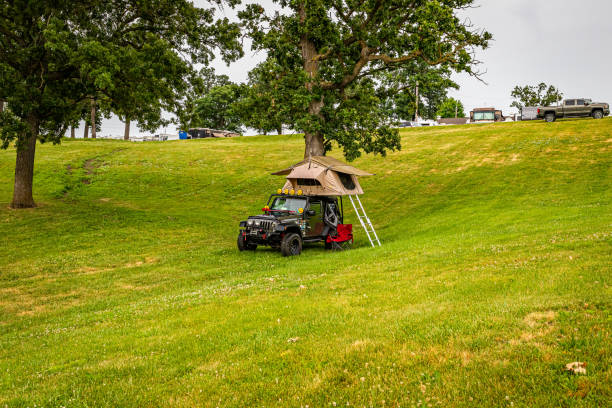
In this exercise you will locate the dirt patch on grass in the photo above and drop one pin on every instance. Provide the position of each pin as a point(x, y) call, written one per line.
point(538, 318)
point(127, 286)
point(22, 303)
point(33, 311)
point(358, 346)
point(147, 261)
point(209, 366)
point(466, 357)
point(12, 291)
point(540, 324)
point(89, 270)
point(90, 165)
point(119, 362)
point(582, 390)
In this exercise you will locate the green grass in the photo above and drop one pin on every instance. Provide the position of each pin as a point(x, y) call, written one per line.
point(125, 287)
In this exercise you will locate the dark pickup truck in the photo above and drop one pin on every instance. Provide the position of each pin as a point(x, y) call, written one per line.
point(574, 108)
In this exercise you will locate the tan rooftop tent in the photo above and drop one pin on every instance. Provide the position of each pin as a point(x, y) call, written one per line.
point(326, 176)
point(321, 175)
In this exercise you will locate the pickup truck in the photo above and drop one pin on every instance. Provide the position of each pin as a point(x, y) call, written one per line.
point(574, 108)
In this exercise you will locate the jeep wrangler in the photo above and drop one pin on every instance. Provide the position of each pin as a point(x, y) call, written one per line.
point(291, 219)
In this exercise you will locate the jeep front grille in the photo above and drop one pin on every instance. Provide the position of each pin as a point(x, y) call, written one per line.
point(266, 225)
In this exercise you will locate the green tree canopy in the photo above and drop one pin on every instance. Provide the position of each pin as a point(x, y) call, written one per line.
point(54, 54)
point(201, 83)
point(259, 106)
point(217, 109)
point(329, 54)
point(451, 108)
point(536, 95)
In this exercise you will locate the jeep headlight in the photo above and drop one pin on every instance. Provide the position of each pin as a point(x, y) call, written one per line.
point(250, 222)
point(257, 223)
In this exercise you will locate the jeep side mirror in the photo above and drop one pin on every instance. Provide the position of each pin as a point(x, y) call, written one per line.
point(586, 103)
point(311, 213)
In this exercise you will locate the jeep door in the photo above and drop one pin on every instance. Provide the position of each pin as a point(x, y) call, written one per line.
point(315, 221)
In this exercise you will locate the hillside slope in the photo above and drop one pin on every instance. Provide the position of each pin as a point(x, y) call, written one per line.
point(125, 288)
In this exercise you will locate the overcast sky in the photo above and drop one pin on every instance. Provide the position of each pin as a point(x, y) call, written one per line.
point(565, 43)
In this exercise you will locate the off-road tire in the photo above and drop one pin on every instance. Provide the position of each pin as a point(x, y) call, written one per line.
point(243, 245)
point(550, 117)
point(291, 244)
point(597, 114)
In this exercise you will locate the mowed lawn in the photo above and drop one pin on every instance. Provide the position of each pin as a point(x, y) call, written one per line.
point(124, 288)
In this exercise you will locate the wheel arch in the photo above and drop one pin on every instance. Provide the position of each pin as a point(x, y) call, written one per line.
point(294, 229)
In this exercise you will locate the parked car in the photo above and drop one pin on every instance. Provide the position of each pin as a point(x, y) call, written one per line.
point(574, 108)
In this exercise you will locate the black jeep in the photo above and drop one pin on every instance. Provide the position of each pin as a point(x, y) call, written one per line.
point(289, 220)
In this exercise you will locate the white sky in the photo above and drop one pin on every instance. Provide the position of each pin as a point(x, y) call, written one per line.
point(565, 43)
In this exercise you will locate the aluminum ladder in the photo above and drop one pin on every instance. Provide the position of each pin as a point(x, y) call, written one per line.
point(365, 221)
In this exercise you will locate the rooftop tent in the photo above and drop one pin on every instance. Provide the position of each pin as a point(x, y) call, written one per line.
point(321, 175)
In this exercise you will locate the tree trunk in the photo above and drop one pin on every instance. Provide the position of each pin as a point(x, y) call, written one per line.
point(86, 131)
point(279, 130)
point(72, 134)
point(315, 143)
point(126, 132)
point(1, 106)
point(93, 118)
point(416, 110)
point(24, 169)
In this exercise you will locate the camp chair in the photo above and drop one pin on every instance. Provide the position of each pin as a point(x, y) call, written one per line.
point(342, 238)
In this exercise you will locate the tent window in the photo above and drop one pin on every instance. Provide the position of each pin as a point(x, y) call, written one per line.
point(308, 182)
point(347, 181)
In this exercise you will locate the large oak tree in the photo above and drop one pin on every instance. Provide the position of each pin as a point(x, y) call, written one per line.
point(330, 52)
point(137, 54)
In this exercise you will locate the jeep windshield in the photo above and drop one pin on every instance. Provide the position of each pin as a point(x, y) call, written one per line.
point(288, 204)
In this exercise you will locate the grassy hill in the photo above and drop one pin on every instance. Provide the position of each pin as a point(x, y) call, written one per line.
point(125, 287)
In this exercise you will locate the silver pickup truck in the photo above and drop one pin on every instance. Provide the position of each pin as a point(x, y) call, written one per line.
point(574, 108)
